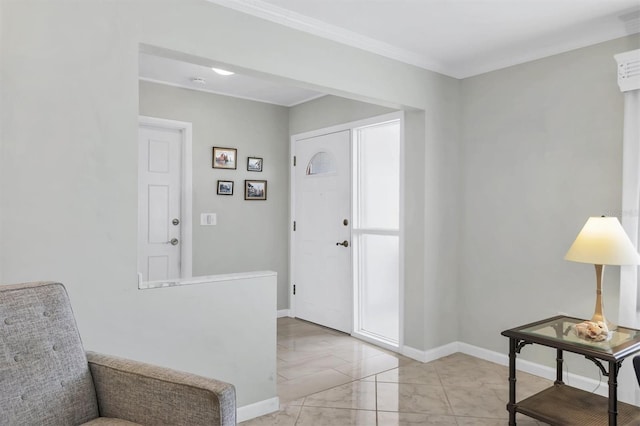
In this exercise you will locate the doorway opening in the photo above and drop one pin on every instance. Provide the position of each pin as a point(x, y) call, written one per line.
point(346, 239)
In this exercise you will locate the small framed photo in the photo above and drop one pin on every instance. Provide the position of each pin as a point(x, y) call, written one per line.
point(255, 189)
point(225, 187)
point(254, 164)
point(224, 158)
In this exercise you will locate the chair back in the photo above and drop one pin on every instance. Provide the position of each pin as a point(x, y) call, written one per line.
point(44, 375)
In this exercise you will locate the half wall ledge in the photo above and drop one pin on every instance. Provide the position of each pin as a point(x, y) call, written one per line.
point(206, 279)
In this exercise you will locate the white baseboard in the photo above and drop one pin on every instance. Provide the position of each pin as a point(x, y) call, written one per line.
point(431, 354)
point(284, 313)
point(483, 353)
point(575, 380)
point(544, 371)
point(413, 353)
point(257, 409)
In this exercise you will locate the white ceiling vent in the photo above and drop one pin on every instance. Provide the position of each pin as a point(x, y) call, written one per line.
point(628, 70)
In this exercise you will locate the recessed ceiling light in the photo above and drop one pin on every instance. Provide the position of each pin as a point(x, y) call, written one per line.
point(222, 72)
point(198, 80)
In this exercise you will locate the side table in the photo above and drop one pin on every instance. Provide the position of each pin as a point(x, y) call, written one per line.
point(562, 404)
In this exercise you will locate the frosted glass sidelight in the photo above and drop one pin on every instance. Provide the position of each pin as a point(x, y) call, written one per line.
point(378, 176)
point(321, 163)
point(376, 230)
point(379, 285)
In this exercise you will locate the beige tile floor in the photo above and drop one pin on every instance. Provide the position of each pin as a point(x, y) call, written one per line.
point(329, 378)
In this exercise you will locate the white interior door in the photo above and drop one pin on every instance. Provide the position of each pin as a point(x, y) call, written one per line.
point(159, 192)
point(322, 212)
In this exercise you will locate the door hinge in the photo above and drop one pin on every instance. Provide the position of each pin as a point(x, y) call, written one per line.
point(294, 161)
point(294, 289)
point(294, 225)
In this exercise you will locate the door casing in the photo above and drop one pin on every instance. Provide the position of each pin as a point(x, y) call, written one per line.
point(333, 129)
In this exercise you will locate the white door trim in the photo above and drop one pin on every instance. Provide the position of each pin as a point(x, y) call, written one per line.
point(399, 115)
point(186, 200)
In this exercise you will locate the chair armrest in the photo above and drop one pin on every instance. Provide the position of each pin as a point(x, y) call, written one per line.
point(150, 395)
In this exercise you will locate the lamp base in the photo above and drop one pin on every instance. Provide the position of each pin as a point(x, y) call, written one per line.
point(601, 318)
point(598, 315)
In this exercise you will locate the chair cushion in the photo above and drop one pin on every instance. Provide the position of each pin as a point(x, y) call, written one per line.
point(44, 375)
point(109, 421)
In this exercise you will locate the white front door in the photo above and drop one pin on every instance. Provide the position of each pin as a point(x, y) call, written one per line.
point(159, 198)
point(322, 212)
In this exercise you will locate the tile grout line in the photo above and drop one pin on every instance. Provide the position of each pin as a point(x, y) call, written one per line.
point(299, 420)
point(299, 412)
point(446, 395)
point(376, 395)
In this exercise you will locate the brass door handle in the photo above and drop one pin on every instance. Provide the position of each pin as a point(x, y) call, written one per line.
point(345, 243)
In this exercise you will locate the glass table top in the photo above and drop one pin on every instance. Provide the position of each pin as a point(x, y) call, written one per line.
point(561, 329)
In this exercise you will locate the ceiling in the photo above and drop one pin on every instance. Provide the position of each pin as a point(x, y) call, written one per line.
point(163, 70)
point(459, 38)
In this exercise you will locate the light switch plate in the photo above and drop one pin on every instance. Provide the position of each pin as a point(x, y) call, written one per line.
point(208, 219)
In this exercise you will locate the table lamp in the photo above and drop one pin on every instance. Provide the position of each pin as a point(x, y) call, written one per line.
point(602, 241)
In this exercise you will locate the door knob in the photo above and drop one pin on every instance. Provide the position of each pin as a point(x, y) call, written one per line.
point(345, 243)
point(173, 242)
point(176, 221)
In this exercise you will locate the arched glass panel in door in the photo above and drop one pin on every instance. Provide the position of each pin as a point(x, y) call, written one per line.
point(321, 163)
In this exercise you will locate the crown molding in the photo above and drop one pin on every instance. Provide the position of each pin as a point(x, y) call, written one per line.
point(467, 69)
point(297, 21)
point(464, 68)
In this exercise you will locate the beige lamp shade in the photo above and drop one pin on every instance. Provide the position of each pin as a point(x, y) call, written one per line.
point(603, 241)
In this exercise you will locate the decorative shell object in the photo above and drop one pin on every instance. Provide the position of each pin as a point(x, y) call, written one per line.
point(593, 331)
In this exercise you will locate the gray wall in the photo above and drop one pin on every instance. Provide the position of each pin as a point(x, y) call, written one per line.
point(241, 242)
point(541, 153)
point(329, 111)
point(217, 117)
point(68, 157)
point(442, 197)
point(414, 278)
point(249, 235)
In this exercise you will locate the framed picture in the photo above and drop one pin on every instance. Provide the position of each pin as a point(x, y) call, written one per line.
point(254, 164)
point(255, 189)
point(224, 158)
point(225, 187)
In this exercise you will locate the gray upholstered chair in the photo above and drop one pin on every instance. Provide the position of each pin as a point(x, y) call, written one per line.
point(47, 379)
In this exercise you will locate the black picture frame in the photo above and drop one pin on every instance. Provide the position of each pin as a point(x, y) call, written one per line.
point(254, 164)
point(225, 158)
point(255, 190)
point(225, 187)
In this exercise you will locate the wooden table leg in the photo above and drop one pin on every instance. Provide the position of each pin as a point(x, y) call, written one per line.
point(613, 393)
point(511, 406)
